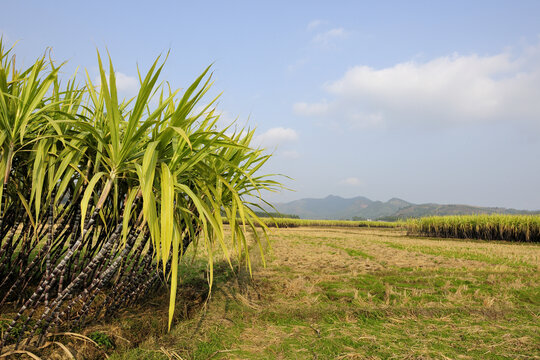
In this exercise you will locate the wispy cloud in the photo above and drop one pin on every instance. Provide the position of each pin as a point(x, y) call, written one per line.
point(297, 64)
point(126, 84)
point(275, 136)
point(445, 90)
point(315, 24)
point(351, 181)
point(311, 109)
point(327, 37)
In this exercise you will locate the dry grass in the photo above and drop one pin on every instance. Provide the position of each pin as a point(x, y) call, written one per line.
point(342, 293)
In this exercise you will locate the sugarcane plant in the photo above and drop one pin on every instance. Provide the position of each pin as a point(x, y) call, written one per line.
point(101, 193)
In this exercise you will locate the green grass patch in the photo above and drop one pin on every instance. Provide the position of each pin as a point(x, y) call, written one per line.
point(351, 252)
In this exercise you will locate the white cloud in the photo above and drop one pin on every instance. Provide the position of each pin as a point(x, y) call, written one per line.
point(124, 83)
point(315, 24)
point(275, 136)
point(352, 181)
point(325, 38)
point(445, 90)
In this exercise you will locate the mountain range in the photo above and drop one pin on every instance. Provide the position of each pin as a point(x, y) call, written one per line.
point(359, 208)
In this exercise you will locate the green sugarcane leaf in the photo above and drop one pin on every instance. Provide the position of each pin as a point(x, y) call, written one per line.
point(182, 134)
point(38, 176)
point(174, 273)
point(87, 194)
point(27, 208)
point(146, 174)
point(132, 194)
point(167, 212)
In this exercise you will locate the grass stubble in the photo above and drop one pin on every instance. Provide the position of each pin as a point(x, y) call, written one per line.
point(342, 293)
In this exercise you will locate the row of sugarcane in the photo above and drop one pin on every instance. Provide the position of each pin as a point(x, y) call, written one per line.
point(101, 197)
point(292, 222)
point(521, 228)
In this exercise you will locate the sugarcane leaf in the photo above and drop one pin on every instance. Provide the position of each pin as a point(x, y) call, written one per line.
point(146, 174)
point(132, 194)
point(27, 208)
point(38, 176)
point(87, 194)
point(167, 212)
point(182, 134)
point(174, 273)
point(20, 352)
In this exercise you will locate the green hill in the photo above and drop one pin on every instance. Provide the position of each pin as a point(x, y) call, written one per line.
point(362, 208)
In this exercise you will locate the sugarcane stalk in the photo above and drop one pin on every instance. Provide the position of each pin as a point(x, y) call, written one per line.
point(45, 285)
point(75, 224)
point(131, 281)
point(8, 249)
point(106, 276)
point(49, 244)
point(46, 317)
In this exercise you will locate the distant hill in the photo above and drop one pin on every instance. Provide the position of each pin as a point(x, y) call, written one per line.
point(359, 208)
point(422, 210)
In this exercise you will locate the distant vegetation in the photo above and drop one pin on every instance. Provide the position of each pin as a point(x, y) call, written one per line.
point(275, 215)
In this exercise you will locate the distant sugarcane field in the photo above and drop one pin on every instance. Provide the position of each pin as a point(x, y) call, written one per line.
point(524, 228)
point(130, 229)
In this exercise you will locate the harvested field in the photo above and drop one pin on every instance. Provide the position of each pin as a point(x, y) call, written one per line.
point(355, 293)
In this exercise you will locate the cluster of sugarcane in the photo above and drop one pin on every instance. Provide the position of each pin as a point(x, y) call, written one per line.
point(100, 198)
point(524, 228)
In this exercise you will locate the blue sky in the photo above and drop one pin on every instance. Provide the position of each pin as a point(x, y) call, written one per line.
point(428, 101)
